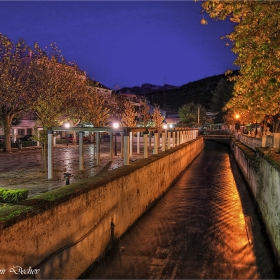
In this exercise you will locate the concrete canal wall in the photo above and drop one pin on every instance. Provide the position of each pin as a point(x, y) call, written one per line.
point(59, 234)
point(263, 176)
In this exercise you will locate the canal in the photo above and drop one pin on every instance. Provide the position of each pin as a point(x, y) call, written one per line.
point(205, 226)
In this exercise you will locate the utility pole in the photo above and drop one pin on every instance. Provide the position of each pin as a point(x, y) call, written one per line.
point(198, 111)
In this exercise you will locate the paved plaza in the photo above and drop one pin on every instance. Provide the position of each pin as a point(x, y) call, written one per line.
point(23, 168)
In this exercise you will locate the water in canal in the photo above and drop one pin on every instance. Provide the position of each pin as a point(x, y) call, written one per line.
point(205, 226)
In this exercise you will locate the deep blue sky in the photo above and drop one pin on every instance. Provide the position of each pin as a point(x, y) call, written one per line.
point(125, 43)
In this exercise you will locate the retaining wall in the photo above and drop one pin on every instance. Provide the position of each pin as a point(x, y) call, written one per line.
point(59, 234)
point(263, 176)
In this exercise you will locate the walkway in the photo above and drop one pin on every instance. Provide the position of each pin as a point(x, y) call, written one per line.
point(206, 226)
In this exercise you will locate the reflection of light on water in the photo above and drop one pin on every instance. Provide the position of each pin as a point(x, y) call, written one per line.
point(229, 233)
point(91, 152)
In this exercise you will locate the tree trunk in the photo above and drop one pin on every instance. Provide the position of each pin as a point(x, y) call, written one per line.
point(7, 132)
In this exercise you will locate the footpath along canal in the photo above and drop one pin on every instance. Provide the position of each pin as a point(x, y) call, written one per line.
point(205, 226)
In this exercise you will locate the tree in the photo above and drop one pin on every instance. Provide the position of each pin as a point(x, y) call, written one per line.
point(157, 117)
point(95, 111)
point(256, 41)
point(144, 111)
point(220, 97)
point(17, 88)
point(128, 114)
point(189, 113)
point(58, 85)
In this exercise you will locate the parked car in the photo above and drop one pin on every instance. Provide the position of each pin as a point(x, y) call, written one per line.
point(71, 138)
point(28, 137)
point(104, 137)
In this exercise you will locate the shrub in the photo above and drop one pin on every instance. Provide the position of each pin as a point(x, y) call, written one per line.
point(13, 196)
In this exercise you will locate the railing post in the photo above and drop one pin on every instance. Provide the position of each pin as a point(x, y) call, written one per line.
point(168, 139)
point(264, 140)
point(145, 139)
point(156, 142)
point(178, 137)
point(276, 141)
point(173, 138)
point(163, 140)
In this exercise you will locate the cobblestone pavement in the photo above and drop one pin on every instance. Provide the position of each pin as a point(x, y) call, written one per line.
point(23, 169)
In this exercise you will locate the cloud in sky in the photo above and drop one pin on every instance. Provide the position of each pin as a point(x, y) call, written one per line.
point(125, 43)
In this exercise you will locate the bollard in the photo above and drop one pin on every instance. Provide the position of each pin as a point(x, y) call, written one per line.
point(67, 178)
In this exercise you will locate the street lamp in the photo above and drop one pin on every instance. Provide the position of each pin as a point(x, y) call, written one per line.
point(116, 125)
point(237, 125)
point(67, 125)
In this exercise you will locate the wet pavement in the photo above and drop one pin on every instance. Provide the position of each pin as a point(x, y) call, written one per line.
point(206, 226)
point(23, 169)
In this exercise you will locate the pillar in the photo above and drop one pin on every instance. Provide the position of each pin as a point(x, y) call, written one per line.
point(122, 141)
point(81, 151)
point(50, 154)
point(138, 143)
point(111, 146)
point(130, 142)
point(98, 148)
point(163, 140)
point(155, 142)
point(126, 148)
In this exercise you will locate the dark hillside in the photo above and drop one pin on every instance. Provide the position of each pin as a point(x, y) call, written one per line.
point(198, 92)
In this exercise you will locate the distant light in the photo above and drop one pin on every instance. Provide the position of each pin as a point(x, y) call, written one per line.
point(67, 125)
point(237, 116)
point(165, 126)
point(171, 126)
point(116, 125)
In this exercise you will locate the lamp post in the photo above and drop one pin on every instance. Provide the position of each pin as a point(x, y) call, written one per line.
point(67, 125)
point(237, 125)
point(116, 125)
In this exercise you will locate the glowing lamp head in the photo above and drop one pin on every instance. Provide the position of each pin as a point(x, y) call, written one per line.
point(116, 125)
point(67, 125)
point(237, 116)
point(164, 126)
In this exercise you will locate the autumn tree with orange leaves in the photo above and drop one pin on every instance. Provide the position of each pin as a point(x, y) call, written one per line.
point(256, 41)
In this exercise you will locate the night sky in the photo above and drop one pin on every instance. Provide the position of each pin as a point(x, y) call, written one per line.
point(125, 43)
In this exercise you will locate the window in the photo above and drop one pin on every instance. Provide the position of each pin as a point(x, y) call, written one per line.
point(21, 132)
point(29, 131)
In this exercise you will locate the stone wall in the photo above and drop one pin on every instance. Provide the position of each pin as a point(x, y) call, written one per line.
point(59, 234)
point(263, 176)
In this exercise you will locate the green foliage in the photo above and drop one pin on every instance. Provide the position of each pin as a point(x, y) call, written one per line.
point(188, 114)
point(220, 97)
point(13, 196)
point(10, 211)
